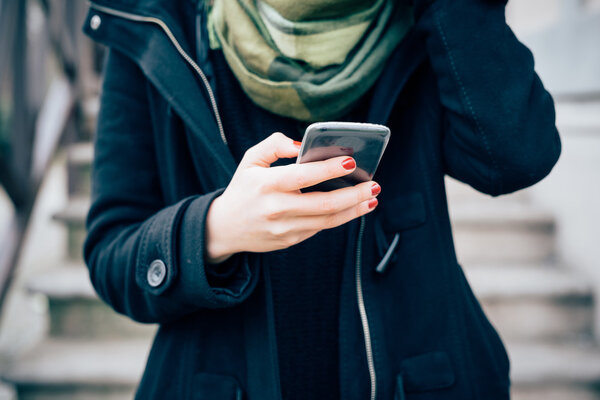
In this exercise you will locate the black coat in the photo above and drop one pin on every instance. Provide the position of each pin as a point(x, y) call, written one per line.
point(461, 98)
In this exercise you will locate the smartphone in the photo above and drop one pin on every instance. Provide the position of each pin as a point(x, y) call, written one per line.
point(364, 142)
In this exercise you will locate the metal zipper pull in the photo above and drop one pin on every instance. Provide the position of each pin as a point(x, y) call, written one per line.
point(385, 260)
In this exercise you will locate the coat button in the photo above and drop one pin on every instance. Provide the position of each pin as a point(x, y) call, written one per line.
point(156, 273)
point(95, 22)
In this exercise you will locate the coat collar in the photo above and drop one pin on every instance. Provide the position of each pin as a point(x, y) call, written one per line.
point(168, 11)
point(155, 41)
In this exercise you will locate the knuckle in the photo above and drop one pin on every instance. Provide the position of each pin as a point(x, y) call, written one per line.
point(276, 136)
point(277, 231)
point(261, 184)
point(328, 205)
point(330, 221)
point(300, 180)
point(361, 195)
point(333, 168)
point(362, 208)
point(272, 211)
point(249, 154)
point(253, 179)
point(263, 187)
point(282, 235)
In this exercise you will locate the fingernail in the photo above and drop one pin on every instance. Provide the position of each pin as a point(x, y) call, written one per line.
point(375, 189)
point(349, 163)
point(372, 203)
point(297, 143)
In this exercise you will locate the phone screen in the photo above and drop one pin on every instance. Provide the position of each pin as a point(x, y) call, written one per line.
point(364, 142)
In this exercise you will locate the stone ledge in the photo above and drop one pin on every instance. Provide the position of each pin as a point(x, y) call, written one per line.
point(527, 281)
point(535, 364)
point(75, 212)
point(73, 362)
point(501, 214)
point(65, 282)
point(81, 153)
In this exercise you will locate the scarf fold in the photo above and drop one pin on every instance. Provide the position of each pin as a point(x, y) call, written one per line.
point(311, 60)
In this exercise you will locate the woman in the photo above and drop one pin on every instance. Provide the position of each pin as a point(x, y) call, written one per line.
point(261, 291)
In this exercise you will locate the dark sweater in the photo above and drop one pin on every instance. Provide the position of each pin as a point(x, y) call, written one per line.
point(305, 278)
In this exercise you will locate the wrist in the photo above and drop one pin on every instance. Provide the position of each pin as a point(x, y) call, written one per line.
point(217, 244)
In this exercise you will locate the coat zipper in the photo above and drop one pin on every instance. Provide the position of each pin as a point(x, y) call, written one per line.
point(272, 334)
point(363, 311)
point(359, 291)
point(186, 57)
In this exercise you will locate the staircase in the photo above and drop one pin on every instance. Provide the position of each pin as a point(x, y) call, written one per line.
point(90, 352)
point(542, 310)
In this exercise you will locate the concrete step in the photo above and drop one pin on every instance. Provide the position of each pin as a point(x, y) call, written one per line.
point(74, 212)
point(502, 231)
point(83, 370)
point(79, 166)
point(81, 153)
point(457, 192)
point(60, 369)
point(90, 107)
point(76, 311)
point(73, 216)
point(578, 117)
point(530, 302)
point(7, 392)
point(554, 372)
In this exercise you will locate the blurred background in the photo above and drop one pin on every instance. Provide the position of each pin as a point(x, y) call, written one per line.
point(532, 257)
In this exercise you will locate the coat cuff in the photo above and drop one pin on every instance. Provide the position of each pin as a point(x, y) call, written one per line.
point(180, 244)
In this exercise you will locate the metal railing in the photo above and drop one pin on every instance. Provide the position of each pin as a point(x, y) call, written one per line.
point(45, 68)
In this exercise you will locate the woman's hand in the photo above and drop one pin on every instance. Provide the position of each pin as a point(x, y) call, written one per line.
point(262, 209)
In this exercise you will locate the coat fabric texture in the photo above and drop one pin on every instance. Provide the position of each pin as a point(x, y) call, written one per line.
point(461, 98)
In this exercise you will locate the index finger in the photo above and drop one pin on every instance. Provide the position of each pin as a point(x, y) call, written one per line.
point(269, 150)
point(297, 176)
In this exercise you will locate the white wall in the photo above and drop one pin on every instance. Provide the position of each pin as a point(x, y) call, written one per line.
point(572, 191)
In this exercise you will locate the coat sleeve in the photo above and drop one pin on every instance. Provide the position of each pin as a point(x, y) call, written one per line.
point(500, 133)
point(147, 259)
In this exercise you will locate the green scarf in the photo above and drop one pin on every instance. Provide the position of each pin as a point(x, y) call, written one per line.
point(311, 60)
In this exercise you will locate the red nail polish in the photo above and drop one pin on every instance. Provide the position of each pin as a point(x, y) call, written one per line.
point(375, 189)
point(372, 203)
point(297, 143)
point(349, 163)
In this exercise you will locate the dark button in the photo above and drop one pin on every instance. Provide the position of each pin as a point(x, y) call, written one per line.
point(156, 273)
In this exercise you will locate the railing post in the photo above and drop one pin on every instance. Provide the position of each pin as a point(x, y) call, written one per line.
point(21, 129)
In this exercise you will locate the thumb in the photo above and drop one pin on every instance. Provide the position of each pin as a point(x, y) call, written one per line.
point(266, 152)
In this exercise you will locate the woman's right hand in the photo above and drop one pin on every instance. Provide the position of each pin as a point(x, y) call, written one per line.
point(262, 209)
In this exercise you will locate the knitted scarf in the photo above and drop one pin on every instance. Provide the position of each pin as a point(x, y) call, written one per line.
point(311, 60)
